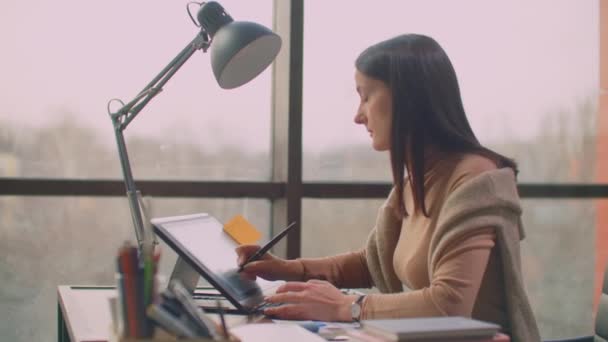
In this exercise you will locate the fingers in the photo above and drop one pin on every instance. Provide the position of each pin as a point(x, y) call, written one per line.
point(246, 249)
point(288, 297)
point(243, 252)
point(287, 311)
point(300, 286)
point(266, 269)
point(290, 292)
point(293, 286)
point(255, 267)
point(307, 300)
point(249, 275)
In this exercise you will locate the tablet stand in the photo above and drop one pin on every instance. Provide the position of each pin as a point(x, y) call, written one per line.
point(183, 272)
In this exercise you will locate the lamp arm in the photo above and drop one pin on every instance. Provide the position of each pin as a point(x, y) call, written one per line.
point(122, 118)
point(131, 109)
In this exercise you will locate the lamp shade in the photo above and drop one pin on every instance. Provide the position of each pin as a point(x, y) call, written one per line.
point(240, 50)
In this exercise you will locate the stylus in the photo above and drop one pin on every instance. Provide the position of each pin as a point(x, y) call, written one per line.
point(260, 253)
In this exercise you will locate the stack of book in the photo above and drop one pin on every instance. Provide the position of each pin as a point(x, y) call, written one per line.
point(428, 329)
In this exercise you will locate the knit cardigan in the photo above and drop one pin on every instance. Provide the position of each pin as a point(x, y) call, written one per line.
point(487, 200)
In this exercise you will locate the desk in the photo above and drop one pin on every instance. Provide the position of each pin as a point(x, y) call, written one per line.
point(83, 313)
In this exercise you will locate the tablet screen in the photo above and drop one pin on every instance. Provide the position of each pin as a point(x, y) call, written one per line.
point(200, 238)
point(205, 239)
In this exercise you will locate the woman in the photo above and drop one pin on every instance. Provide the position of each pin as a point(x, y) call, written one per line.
point(450, 228)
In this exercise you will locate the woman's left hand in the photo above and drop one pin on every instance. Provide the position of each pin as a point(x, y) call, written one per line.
point(312, 300)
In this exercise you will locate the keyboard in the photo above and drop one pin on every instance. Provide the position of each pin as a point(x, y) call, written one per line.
point(265, 305)
point(208, 302)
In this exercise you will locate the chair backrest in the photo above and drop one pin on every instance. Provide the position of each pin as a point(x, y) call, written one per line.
point(601, 317)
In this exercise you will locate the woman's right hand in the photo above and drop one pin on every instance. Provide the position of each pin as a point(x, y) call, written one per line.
point(268, 266)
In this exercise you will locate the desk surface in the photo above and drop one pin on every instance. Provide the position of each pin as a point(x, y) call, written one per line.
point(84, 313)
point(84, 316)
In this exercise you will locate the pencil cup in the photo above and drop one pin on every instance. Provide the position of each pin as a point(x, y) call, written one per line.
point(135, 292)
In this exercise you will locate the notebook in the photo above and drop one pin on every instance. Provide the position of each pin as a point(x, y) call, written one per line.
point(200, 240)
point(430, 328)
point(358, 335)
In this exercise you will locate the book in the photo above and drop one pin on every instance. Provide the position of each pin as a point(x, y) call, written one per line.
point(358, 335)
point(429, 328)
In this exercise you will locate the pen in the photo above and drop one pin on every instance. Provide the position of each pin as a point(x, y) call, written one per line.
point(267, 246)
point(313, 326)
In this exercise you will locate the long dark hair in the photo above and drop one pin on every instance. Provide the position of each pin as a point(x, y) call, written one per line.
point(427, 108)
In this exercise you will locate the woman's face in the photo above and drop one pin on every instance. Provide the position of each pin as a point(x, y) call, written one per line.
point(375, 110)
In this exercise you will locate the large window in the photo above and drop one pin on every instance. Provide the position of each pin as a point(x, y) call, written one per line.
point(556, 255)
point(65, 60)
point(528, 72)
point(336, 226)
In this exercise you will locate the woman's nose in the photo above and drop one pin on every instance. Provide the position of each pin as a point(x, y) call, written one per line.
point(359, 118)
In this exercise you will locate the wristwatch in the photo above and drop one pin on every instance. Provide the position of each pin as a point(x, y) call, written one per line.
point(355, 308)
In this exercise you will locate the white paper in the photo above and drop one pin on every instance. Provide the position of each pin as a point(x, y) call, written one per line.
point(270, 332)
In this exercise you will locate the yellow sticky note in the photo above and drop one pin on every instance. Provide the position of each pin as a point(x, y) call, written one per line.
point(241, 231)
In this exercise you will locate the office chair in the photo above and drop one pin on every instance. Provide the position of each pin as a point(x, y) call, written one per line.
point(601, 319)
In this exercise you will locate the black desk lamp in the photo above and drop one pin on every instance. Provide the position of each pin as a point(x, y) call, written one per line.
point(240, 51)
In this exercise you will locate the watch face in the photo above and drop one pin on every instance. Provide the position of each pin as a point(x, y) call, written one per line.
point(355, 311)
